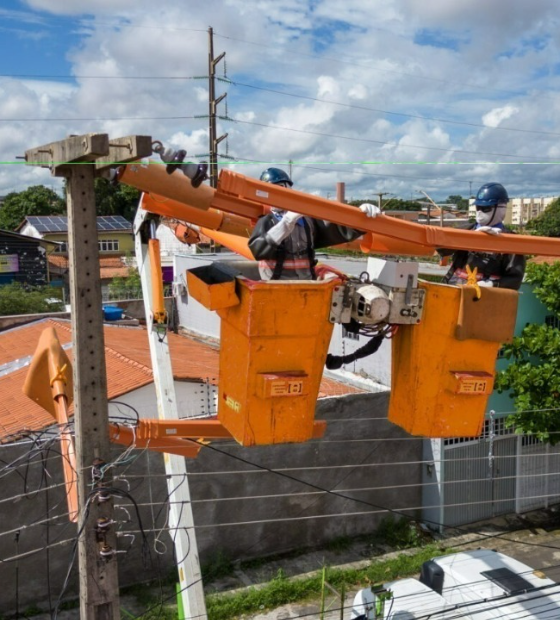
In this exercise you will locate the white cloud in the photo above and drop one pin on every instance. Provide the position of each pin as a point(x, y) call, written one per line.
point(497, 115)
point(500, 74)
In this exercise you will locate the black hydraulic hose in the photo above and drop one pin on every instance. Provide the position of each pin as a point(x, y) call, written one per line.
point(334, 362)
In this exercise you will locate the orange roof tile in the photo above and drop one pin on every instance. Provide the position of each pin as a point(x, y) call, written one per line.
point(21, 342)
point(540, 260)
point(128, 366)
point(58, 261)
point(109, 266)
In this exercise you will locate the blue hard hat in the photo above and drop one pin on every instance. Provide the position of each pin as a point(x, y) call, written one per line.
point(491, 195)
point(275, 175)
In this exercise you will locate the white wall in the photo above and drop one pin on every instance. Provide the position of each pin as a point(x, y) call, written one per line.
point(170, 245)
point(195, 318)
point(194, 399)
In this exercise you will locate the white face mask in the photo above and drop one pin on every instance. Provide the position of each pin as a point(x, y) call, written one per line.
point(491, 218)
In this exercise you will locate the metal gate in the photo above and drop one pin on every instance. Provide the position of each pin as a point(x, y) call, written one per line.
point(480, 475)
point(538, 482)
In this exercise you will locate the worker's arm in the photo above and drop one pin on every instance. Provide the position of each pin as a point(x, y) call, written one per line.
point(514, 270)
point(328, 234)
point(269, 233)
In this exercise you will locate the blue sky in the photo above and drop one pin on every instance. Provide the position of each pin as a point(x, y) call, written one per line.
point(447, 95)
point(35, 42)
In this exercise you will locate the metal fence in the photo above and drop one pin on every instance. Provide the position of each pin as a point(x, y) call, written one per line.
point(122, 294)
point(498, 473)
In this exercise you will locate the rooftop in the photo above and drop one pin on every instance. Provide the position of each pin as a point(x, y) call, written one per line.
point(128, 364)
point(45, 224)
point(109, 266)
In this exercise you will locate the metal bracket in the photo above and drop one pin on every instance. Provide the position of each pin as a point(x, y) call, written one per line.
point(341, 304)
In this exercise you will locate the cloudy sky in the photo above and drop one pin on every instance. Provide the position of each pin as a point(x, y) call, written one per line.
point(389, 96)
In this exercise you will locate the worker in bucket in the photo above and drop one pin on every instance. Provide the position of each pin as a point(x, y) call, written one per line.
point(284, 242)
point(492, 269)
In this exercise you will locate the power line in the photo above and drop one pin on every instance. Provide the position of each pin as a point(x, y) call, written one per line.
point(380, 142)
point(102, 77)
point(355, 62)
point(388, 112)
point(110, 118)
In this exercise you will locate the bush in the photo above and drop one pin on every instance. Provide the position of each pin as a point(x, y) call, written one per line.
point(15, 298)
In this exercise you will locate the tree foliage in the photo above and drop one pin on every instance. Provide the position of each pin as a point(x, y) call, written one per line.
point(15, 298)
point(129, 287)
point(393, 204)
point(398, 204)
point(456, 199)
point(117, 199)
point(534, 373)
point(36, 200)
point(548, 222)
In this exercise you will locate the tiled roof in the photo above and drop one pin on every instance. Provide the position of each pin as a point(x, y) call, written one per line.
point(540, 260)
point(109, 266)
point(128, 368)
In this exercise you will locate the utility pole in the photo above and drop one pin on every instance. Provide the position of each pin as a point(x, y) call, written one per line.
point(429, 206)
point(380, 199)
point(290, 162)
point(212, 105)
point(97, 543)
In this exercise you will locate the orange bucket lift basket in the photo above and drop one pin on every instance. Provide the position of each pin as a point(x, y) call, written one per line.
point(443, 368)
point(274, 341)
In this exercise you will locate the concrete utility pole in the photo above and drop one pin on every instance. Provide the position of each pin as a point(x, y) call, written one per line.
point(437, 206)
point(380, 199)
point(213, 104)
point(99, 587)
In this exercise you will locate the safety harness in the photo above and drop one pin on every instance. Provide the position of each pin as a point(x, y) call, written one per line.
point(281, 253)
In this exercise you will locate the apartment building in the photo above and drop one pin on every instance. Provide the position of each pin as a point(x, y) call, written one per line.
point(520, 210)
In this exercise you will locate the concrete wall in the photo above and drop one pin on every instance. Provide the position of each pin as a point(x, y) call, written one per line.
point(240, 508)
point(6, 322)
point(131, 307)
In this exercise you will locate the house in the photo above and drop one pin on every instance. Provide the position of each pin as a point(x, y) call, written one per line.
point(114, 238)
point(520, 211)
point(240, 495)
point(114, 233)
point(24, 259)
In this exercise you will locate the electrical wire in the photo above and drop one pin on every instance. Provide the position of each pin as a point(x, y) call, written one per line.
point(400, 513)
point(380, 142)
point(355, 62)
point(388, 112)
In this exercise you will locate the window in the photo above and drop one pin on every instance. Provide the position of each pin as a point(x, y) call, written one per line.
point(62, 248)
point(108, 245)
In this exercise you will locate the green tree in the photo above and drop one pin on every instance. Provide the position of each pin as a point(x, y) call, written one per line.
point(36, 200)
point(393, 204)
point(534, 373)
point(18, 299)
point(548, 222)
point(120, 199)
point(129, 287)
point(456, 199)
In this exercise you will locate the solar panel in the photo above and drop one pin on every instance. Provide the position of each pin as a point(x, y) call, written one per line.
point(59, 223)
point(113, 222)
